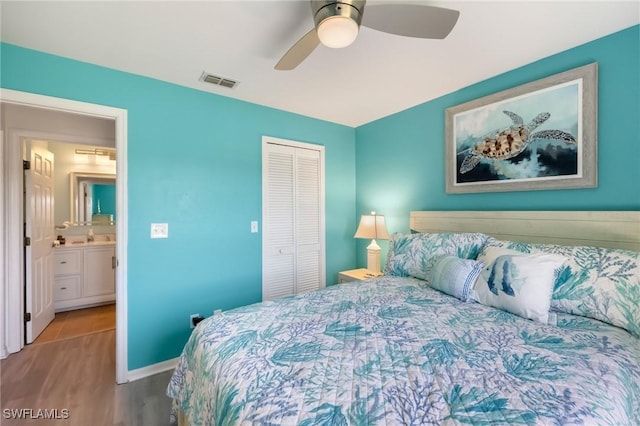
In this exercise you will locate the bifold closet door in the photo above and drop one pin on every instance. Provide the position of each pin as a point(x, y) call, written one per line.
point(293, 249)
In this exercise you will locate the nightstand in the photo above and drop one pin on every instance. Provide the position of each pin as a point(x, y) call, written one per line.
point(354, 275)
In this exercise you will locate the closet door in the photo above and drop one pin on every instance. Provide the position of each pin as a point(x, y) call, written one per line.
point(293, 218)
point(308, 248)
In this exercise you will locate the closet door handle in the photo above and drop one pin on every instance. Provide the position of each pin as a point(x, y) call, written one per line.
point(63, 262)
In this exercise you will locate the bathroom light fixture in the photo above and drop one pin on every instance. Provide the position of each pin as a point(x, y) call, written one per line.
point(372, 226)
point(102, 152)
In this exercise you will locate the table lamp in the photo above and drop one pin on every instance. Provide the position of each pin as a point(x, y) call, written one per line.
point(372, 226)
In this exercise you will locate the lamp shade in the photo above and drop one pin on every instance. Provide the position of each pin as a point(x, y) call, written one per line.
point(372, 226)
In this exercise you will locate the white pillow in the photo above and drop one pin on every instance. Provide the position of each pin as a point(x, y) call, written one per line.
point(517, 282)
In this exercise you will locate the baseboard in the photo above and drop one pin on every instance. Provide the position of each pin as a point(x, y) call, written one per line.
point(152, 369)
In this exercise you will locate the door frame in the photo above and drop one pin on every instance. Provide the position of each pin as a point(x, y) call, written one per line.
point(11, 253)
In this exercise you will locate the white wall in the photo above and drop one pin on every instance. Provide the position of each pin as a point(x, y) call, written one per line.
point(78, 128)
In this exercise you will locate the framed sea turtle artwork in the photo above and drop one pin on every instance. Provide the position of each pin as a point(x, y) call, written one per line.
point(537, 136)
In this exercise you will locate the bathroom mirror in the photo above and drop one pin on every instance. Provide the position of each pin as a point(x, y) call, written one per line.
point(93, 198)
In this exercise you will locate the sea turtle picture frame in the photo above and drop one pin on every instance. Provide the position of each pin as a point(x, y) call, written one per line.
point(538, 136)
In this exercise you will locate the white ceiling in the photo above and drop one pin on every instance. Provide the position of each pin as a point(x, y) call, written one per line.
point(378, 75)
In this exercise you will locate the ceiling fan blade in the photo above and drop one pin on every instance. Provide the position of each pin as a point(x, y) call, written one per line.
point(299, 51)
point(411, 20)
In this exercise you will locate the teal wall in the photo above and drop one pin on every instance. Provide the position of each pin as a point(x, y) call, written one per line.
point(194, 161)
point(106, 195)
point(400, 158)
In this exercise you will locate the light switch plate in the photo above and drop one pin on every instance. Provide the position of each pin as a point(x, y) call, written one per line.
point(159, 230)
point(254, 226)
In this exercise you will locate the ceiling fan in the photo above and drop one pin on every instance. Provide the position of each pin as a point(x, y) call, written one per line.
point(337, 23)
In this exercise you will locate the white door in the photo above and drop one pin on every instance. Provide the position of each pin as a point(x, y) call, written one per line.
point(39, 227)
point(308, 235)
point(293, 218)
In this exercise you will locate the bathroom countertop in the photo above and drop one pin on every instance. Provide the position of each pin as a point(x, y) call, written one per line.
point(78, 244)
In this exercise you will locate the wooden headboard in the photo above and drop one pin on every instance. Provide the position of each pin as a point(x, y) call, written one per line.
point(614, 229)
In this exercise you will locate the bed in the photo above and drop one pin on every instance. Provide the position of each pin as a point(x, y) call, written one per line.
point(439, 339)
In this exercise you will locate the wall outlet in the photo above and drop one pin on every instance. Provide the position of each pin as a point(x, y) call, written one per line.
point(159, 230)
point(254, 226)
point(192, 318)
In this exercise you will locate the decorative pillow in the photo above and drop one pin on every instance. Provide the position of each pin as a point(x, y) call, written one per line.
point(596, 282)
point(415, 254)
point(455, 276)
point(518, 283)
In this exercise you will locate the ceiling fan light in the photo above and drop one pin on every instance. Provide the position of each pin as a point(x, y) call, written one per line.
point(337, 31)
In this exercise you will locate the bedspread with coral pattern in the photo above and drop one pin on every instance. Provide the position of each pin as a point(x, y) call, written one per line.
point(391, 351)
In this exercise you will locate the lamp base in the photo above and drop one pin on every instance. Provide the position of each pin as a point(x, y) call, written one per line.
point(373, 259)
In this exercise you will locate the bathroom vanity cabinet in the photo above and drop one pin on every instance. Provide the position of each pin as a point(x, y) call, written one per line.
point(84, 275)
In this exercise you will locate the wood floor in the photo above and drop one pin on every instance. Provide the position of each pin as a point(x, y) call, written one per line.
point(78, 374)
point(79, 323)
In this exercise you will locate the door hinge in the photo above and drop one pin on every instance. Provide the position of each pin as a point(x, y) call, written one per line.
point(26, 165)
point(27, 316)
point(27, 241)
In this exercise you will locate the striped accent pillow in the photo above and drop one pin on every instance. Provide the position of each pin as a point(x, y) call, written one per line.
point(455, 276)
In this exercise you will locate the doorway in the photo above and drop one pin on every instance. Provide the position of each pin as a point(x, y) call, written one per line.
point(11, 219)
point(73, 271)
